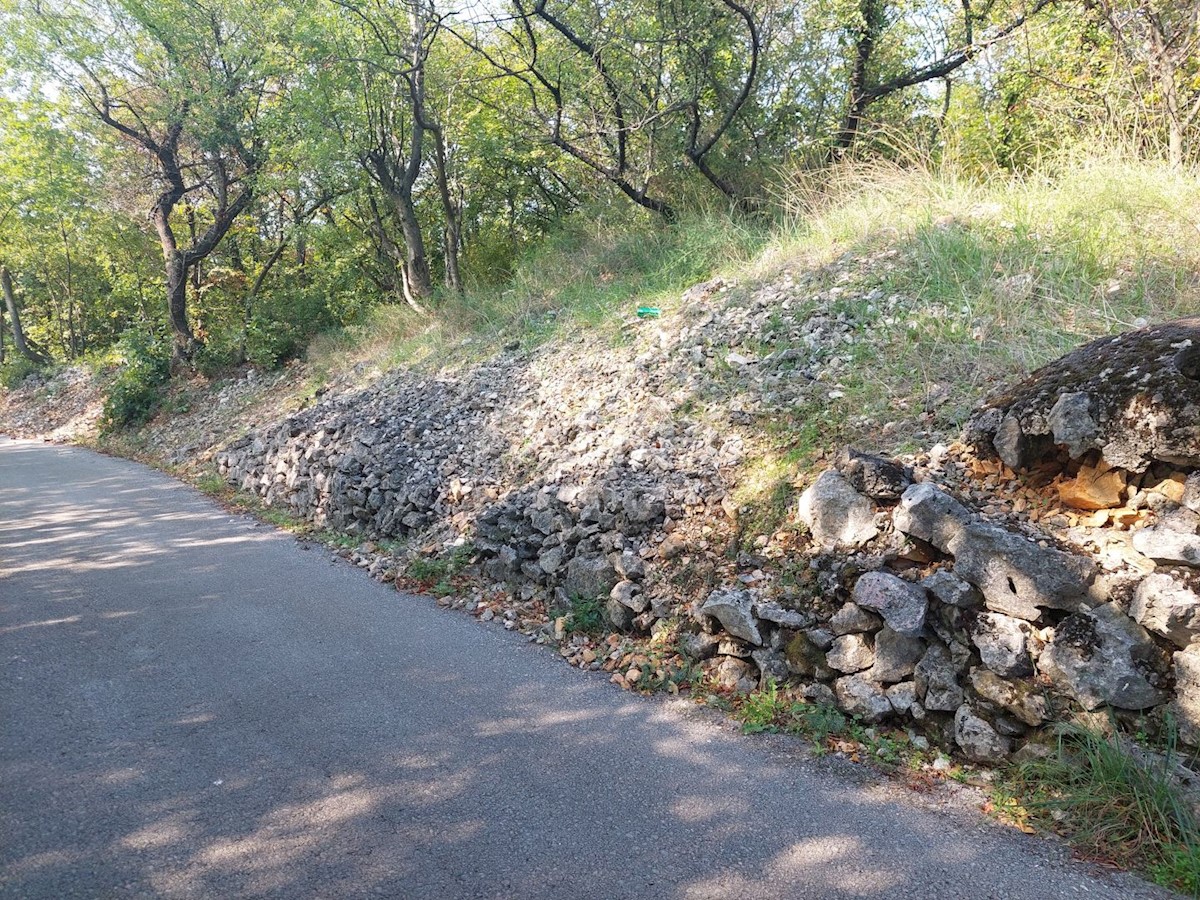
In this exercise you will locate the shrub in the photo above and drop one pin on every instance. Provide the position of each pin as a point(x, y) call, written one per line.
point(16, 369)
point(134, 393)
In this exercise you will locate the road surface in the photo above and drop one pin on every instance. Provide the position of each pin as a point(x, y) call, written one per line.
point(195, 705)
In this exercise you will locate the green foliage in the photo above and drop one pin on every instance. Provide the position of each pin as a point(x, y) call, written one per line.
point(771, 710)
point(135, 392)
point(586, 615)
point(436, 573)
point(1116, 804)
point(16, 369)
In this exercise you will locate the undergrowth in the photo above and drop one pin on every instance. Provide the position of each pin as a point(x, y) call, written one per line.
point(1115, 805)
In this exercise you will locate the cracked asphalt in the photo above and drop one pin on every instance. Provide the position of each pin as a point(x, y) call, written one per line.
point(195, 705)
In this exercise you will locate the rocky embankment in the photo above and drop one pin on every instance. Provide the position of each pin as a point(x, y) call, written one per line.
point(973, 597)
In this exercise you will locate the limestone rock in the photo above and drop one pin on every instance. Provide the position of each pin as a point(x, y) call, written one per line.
point(804, 658)
point(771, 664)
point(835, 513)
point(929, 513)
point(1134, 397)
point(1165, 545)
point(618, 614)
point(1186, 705)
point(777, 615)
point(896, 656)
point(936, 680)
point(1003, 645)
point(874, 476)
point(1019, 578)
point(1017, 697)
point(698, 646)
point(902, 605)
point(903, 697)
point(736, 675)
point(977, 739)
point(948, 588)
point(629, 594)
point(630, 566)
point(851, 653)
point(589, 577)
point(1167, 607)
point(859, 697)
point(1093, 488)
point(734, 610)
point(853, 619)
point(1100, 657)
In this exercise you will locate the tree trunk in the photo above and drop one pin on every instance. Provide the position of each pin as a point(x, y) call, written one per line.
point(177, 284)
point(420, 282)
point(14, 316)
point(450, 234)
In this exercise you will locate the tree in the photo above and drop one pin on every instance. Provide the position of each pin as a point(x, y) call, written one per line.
point(188, 87)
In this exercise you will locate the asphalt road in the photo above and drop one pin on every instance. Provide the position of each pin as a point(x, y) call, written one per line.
point(197, 706)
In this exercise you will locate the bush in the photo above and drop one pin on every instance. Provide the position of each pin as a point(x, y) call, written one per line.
point(133, 395)
point(16, 369)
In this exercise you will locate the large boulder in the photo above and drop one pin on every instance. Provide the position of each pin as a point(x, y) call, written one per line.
point(1103, 657)
point(1134, 397)
point(977, 739)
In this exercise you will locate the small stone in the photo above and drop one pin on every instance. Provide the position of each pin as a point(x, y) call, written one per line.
point(630, 594)
point(672, 547)
point(946, 587)
point(787, 618)
point(1093, 488)
point(902, 605)
point(851, 653)
point(619, 615)
point(853, 619)
point(630, 566)
point(835, 513)
point(698, 646)
point(874, 476)
point(859, 697)
point(821, 637)
point(804, 658)
point(771, 664)
point(902, 696)
point(1003, 644)
point(736, 675)
point(977, 739)
point(589, 577)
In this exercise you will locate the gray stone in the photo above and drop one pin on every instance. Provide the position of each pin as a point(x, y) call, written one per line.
point(930, 514)
point(902, 605)
point(859, 697)
point(1018, 697)
point(936, 680)
point(620, 615)
point(853, 619)
point(1011, 446)
point(629, 594)
point(630, 566)
point(1019, 578)
point(822, 637)
point(642, 509)
point(787, 618)
point(1165, 545)
point(851, 653)
point(835, 513)
point(977, 739)
point(589, 577)
point(734, 610)
point(1167, 607)
point(551, 560)
point(1003, 644)
point(698, 646)
point(771, 664)
point(1191, 492)
point(896, 656)
point(1185, 708)
point(874, 476)
point(736, 675)
point(946, 587)
point(805, 659)
point(1100, 657)
point(1072, 425)
point(903, 697)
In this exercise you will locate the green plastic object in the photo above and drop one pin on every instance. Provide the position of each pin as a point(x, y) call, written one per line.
point(648, 312)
